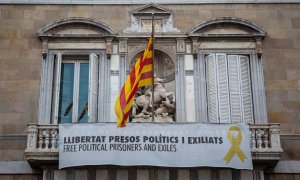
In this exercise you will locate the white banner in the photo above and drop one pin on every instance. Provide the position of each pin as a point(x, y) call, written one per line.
point(169, 145)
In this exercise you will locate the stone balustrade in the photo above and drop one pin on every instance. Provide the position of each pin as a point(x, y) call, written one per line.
point(42, 142)
point(265, 138)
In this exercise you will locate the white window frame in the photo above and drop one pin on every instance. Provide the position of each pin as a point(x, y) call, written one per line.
point(75, 88)
point(219, 108)
point(257, 84)
point(49, 91)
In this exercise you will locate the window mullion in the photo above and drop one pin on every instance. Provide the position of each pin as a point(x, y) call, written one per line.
point(240, 88)
point(217, 88)
point(76, 92)
point(57, 87)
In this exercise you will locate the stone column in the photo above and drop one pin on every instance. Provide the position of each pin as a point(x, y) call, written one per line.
point(46, 88)
point(200, 82)
point(114, 80)
point(258, 90)
point(189, 84)
point(180, 82)
point(122, 52)
point(31, 137)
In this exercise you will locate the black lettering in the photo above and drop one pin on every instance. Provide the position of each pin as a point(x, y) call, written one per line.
point(220, 140)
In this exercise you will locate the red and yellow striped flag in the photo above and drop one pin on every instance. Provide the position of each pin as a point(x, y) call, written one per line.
point(140, 75)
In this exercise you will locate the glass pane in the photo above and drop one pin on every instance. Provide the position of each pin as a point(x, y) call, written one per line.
point(83, 93)
point(66, 93)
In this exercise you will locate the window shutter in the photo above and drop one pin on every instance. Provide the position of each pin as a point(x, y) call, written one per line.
point(93, 88)
point(57, 73)
point(234, 86)
point(223, 92)
point(246, 89)
point(211, 79)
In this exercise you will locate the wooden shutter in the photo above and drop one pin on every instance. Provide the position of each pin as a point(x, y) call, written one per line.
point(57, 74)
point(234, 86)
point(211, 79)
point(93, 88)
point(223, 91)
point(246, 89)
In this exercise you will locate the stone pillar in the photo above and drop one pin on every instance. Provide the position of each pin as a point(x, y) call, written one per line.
point(46, 88)
point(32, 132)
point(275, 137)
point(104, 87)
point(180, 82)
point(122, 52)
point(189, 85)
point(258, 90)
point(200, 88)
point(114, 80)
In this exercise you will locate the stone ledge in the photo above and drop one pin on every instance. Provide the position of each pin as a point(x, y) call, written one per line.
point(143, 2)
point(17, 167)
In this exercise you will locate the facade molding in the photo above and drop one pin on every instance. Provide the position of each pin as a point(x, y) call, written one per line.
point(17, 167)
point(12, 137)
point(253, 29)
point(170, 52)
point(144, 2)
point(44, 31)
point(287, 137)
point(287, 167)
point(160, 9)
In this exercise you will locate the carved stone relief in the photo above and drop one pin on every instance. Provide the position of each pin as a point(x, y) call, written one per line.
point(108, 46)
point(141, 20)
point(162, 101)
point(147, 25)
point(164, 92)
point(163, 65)
point(123, 46)
point(180, 46)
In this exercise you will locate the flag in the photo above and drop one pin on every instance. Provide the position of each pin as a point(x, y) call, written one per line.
point(140, 75)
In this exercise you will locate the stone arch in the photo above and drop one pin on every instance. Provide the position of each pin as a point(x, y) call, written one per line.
point(250, 27)
point(97, 25)
point(170, 75)
point(168, 50)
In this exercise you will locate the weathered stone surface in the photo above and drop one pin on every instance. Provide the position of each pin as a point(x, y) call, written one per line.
point(20, 177)
point(20, 62)
point(291, 149)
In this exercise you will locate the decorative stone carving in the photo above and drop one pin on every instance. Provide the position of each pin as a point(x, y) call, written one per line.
point(180, 46)
point(163, 65)
point(123, 46)
point(164, 104)
point(31, 136)
point(108, 46)
point(141, 19)
point(195, 45)
point(275, 137)
point(147, 25)
point(258, 46)
point(45, 47)
point(133, 47)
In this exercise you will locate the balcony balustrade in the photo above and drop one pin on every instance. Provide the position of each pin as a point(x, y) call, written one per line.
point(42, 144)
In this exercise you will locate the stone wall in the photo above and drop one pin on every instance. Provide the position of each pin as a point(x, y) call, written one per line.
point(20, 58)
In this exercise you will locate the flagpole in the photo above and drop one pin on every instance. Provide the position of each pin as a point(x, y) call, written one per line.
point(152, 34)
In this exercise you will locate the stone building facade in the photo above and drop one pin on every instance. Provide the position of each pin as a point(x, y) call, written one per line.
point(260, 38)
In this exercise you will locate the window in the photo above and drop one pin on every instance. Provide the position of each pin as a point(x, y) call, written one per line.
point(76, 85)
point(73, 99)
point(228, 88)
point(228, 71)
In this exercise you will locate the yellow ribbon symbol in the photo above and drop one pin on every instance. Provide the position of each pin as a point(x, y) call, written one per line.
point(235, 141)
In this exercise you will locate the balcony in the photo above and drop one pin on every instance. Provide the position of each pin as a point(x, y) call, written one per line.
point(42, 144)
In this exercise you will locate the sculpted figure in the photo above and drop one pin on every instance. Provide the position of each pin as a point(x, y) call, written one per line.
point(162, 103)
